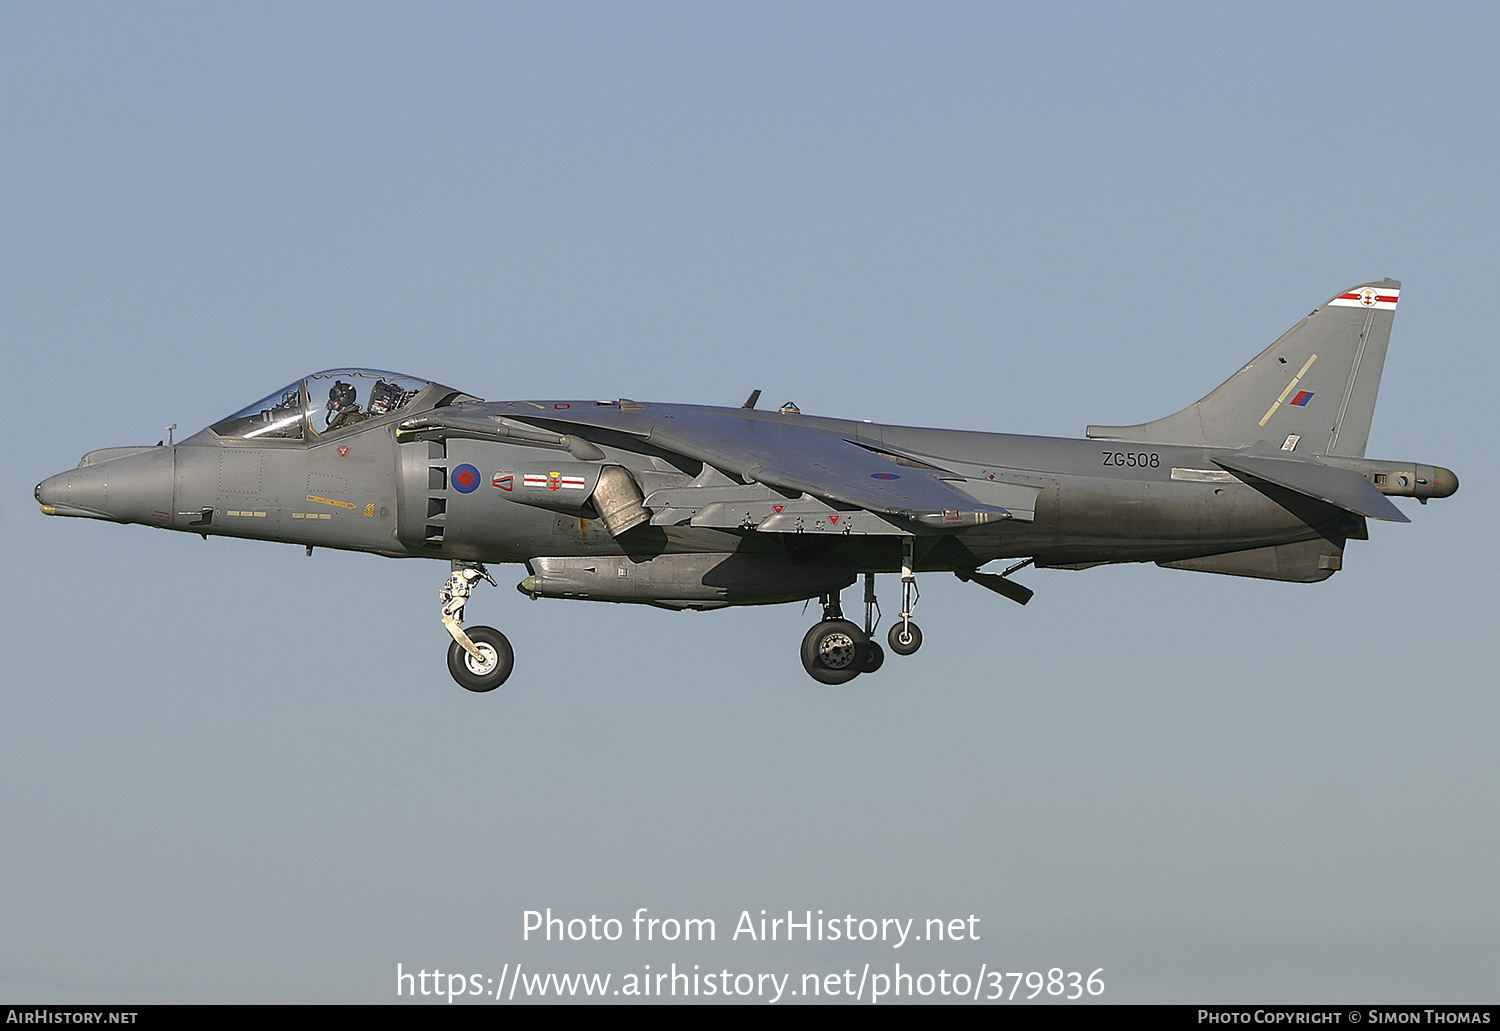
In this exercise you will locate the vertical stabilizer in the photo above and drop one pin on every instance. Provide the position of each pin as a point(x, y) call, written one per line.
point(1312, 391)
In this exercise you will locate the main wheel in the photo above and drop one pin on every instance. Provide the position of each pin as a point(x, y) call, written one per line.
point(874, 659)
point(835, 651)
point(904, 638)
point(471, 673)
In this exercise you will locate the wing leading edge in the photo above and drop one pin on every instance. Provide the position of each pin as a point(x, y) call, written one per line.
point(821, 463)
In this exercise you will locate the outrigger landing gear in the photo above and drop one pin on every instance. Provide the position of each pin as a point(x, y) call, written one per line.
point(835, 651)
point(905, 638)
point(480, 659)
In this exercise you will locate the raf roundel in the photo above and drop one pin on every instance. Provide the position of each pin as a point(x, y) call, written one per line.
point(466, 479)
point(885, 476)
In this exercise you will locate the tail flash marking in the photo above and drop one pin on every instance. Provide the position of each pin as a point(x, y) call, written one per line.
point(1292, 386)
point(1368, 297)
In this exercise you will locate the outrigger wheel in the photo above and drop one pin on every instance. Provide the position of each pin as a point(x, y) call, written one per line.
point(904, 638)
point(835, 651)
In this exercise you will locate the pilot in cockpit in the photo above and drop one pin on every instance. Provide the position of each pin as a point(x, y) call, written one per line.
point(343, 405)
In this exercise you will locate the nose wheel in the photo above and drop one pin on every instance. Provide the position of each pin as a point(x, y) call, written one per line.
point(490, 668)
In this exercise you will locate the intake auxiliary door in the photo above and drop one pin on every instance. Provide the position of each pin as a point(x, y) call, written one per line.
point(422, 494)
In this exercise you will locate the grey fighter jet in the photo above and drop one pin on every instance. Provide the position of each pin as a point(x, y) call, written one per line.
point(694, 507)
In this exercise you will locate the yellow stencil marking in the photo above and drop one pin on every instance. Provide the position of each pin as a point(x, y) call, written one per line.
point(328, 501)
point(1289, 388)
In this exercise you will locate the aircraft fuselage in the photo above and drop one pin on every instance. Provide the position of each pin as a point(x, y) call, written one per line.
point(692, 507)
point(1092, 501)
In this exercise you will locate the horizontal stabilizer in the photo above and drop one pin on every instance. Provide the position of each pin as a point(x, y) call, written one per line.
point(1342, 488)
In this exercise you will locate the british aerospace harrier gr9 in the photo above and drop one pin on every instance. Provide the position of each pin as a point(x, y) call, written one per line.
point(694, 507)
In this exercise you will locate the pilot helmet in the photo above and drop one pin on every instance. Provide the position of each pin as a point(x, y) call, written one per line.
point(341, 395)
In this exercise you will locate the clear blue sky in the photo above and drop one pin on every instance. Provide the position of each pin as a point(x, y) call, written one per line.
point(233, 773)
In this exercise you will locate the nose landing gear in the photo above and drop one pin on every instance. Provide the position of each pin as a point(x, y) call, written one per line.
point(480, 659)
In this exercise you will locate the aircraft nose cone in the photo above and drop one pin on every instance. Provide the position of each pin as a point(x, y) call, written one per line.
point(133, 487)
point(80, 492)
point(1444, 483)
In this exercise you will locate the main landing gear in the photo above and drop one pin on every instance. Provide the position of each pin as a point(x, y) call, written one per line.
point(835, 651)
point(480, 658)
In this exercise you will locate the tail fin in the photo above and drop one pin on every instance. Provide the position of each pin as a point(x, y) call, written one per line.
point(1315, 387)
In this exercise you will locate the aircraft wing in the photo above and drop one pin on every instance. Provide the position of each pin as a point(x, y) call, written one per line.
point(788, 455)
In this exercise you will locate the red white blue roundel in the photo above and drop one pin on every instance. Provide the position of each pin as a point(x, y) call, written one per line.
point(466, 479)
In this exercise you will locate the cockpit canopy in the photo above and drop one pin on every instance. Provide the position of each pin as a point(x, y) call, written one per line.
point(322, 403)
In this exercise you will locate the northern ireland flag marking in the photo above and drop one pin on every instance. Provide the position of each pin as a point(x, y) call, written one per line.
point(1368, 297)
point(554, 481)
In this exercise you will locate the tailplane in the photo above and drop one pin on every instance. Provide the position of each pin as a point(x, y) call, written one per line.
point(1312, 391)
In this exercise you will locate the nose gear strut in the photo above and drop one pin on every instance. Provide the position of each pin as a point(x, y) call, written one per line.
point(455, 595)
point(480, 659)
